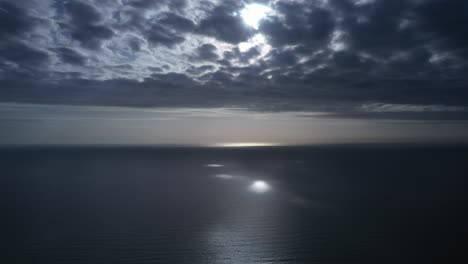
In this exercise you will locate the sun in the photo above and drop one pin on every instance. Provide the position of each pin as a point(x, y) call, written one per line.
point(252, 14)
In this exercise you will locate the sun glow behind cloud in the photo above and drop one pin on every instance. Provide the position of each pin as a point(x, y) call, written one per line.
point(252, 14)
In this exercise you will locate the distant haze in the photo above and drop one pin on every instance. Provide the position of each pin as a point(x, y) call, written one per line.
point(43, 124)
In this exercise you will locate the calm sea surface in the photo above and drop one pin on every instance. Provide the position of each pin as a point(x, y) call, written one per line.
point(335, 204)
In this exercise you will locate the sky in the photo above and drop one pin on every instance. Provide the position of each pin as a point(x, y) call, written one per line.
point(212, 72)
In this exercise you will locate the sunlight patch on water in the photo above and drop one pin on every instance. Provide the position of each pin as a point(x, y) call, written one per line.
point(223, 176)
point(259, 187)
point(214, 165)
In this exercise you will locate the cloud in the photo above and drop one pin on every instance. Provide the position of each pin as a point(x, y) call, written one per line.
point(20, 55)
point(201, 69)
point(13, 20)
point(165, 28)
point(445, 20)
point(207, 52)
point(224, 25)
point(177, 22)
point(146, 4)
point(143, 3)
point(381, 107)
point(162, 35)
point(300, 24)
point(71, 56)
point(85, 25)
point(326, 56)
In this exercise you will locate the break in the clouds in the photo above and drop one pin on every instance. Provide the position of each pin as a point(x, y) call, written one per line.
point(349, 57)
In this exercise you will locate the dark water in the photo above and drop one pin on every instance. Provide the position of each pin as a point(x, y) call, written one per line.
point(348, 204)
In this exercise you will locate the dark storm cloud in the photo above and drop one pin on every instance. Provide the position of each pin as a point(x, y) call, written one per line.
point(13, 20)
point(331, 56)
point(159, 35)
point(300, 26)
point(200, 70)
point(16, 55)
point(82, 13)
point(167, 29)
point(22, 55)
point(447, 21)
point(85, 25)
point(135, 44)
point(207, 52)
point(235, 55)
point(283, 59)
point(176, 22)
point(164, 90)
point(383, 28)
point(224, 25)
point(71, 56)
point(146, 4)
point(388, 55)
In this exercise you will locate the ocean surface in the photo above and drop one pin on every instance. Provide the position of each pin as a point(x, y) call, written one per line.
point(323, 204)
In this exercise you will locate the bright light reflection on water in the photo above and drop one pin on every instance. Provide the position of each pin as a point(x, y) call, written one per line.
point(214, 165)
point(223, 176)
point(259, 186)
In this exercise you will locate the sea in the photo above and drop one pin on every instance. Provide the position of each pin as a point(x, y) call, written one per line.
point(355, 203)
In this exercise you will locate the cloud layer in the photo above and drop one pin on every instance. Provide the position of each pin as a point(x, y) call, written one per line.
point(342, 56)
